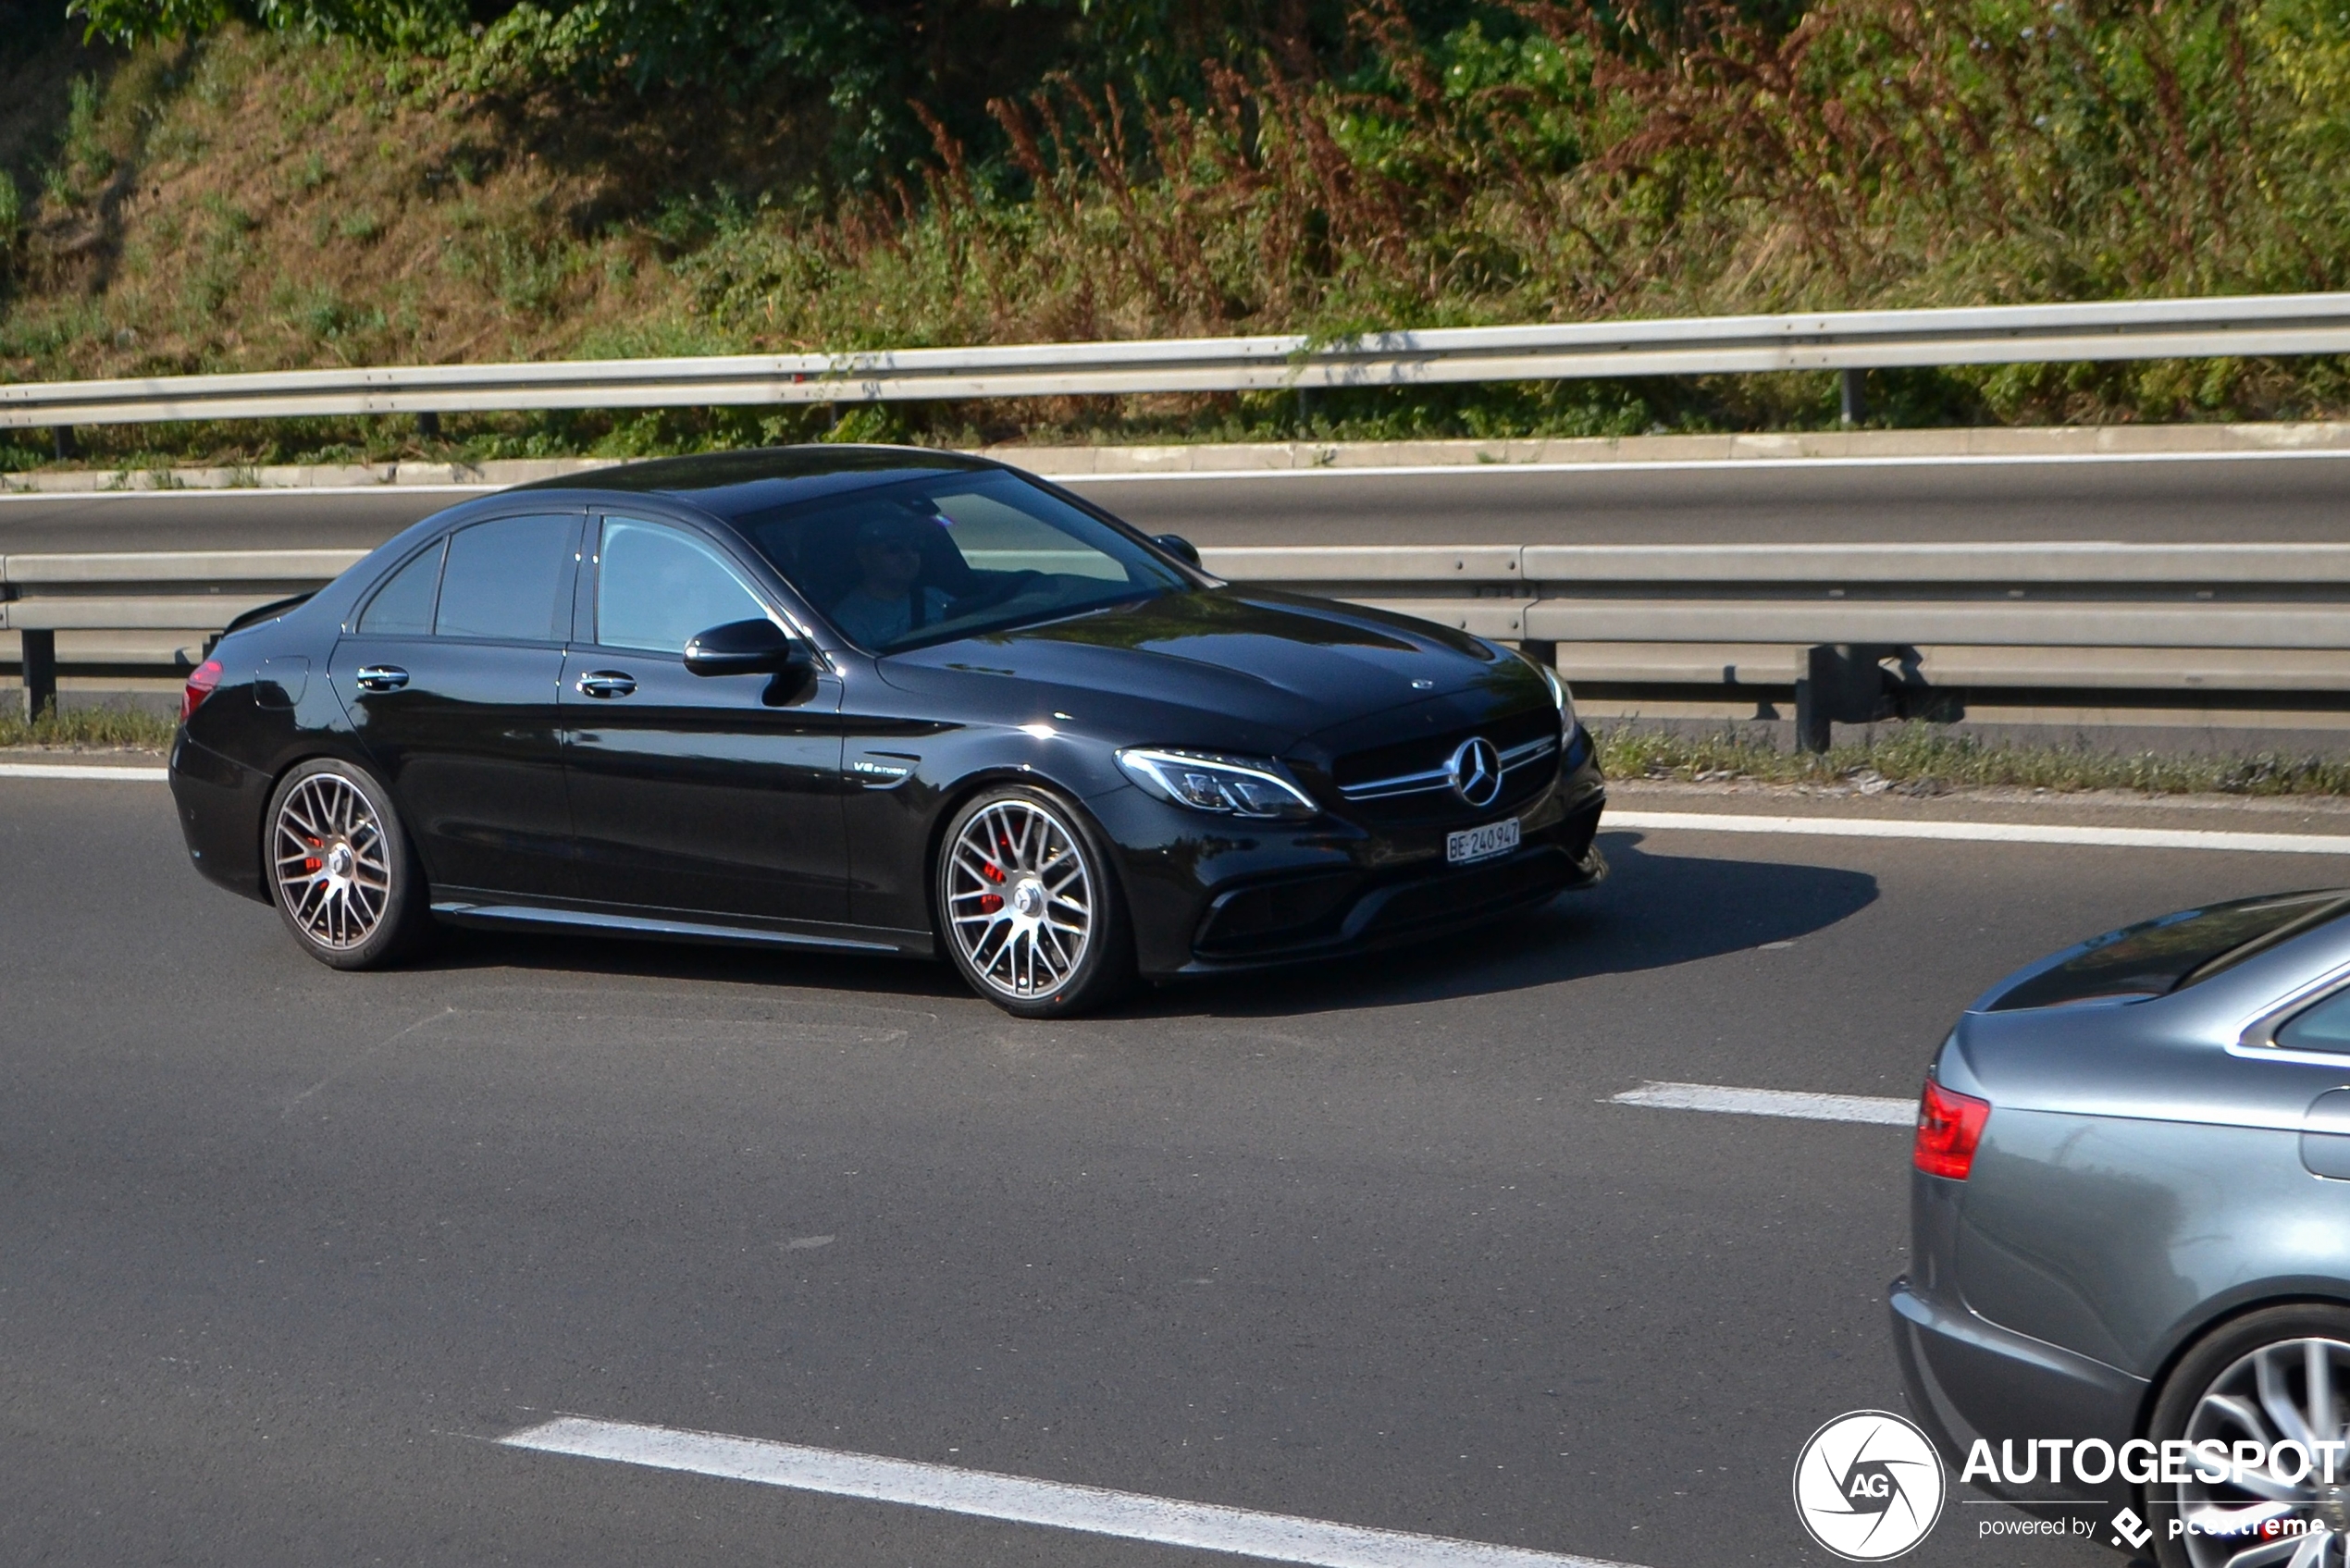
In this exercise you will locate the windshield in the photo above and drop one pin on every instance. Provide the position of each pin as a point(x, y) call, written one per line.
point(2160, 956)
point(947, 555)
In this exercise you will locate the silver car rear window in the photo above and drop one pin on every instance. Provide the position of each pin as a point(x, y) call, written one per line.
point(2158, 957)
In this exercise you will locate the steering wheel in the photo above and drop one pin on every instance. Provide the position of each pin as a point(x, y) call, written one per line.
point(1010, 586)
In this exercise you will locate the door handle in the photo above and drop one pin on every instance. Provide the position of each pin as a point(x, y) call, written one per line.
point(606, 683)
point(381, 677)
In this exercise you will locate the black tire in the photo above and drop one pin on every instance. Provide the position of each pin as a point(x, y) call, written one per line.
point(1045, 859)
point(2218, 1364)
point(359, 902)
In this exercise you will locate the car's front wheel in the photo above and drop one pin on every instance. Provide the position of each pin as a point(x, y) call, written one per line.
point(1029, 908)
point(2280, 1378)
point(340, 870)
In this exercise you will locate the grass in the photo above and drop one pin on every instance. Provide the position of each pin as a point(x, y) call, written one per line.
point(1927, 759)
point(258, 202)
point(88, 729)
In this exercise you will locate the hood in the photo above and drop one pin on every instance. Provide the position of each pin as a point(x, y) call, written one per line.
point(1220, 667)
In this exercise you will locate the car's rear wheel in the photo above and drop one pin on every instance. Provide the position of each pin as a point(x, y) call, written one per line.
point(341, 872)
point(1029, 911)
point(2279, 1376)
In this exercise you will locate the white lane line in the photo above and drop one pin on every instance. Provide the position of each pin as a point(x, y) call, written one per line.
point(249, 491)
point(1273, 1537)
point(1694, 465)
point(1335, 471)
point(76, 771)
point(1988, 833)
point(1770, 1102)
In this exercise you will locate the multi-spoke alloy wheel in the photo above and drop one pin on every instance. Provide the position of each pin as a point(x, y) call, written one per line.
point(1018, 899)
point(1026, 907)
point(2293, 1400)
point(339, 868)
point(2266, 1399)
point(332, 872)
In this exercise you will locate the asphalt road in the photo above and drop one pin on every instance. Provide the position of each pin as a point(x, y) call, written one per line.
point(2275, 500)
point(280, 1247)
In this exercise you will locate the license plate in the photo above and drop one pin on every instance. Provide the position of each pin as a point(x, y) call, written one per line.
point(1476, 843)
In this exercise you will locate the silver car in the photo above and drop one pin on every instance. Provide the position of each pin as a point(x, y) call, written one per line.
point(2129, 1299)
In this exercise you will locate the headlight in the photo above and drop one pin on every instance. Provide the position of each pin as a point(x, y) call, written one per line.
point(1225, 785)
point(1564, 698)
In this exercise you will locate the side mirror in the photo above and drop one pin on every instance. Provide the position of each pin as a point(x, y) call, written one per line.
point(1177, 546)
point(744, 647)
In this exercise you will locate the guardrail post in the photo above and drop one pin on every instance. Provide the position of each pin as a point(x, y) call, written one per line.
point(40, 673)
point(1813, 702)
point(428, 425)
point(1853, 388)
point(67, 447)
point(1862, 684)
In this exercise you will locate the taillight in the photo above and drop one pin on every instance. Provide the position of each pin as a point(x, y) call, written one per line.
point(200, 685)
point(1949, 1126)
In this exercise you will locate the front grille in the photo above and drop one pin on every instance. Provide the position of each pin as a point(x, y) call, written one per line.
point(1411, 767)
point(1411, 781)
point(1429, 754)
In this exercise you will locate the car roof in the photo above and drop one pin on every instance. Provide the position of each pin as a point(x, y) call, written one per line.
point(2170, 952)
point(731, 484)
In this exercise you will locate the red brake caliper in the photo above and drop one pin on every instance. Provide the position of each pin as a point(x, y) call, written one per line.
point(991, 902)
point(313, 862)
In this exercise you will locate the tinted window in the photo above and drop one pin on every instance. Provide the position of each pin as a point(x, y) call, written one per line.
point(505, 580)
point(657, 586)
point(898, 565)
point(403, 605)
point(2160, 956)
point(2325, 1026)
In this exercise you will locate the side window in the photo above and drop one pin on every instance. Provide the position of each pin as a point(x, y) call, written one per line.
point(505, 580)
point(402, 607)
point(2325, 1026)
point(657, 587)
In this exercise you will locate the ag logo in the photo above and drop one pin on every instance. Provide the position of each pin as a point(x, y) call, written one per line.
point(1868, 1485)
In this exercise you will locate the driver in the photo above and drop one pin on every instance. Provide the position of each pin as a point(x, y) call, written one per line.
point(891, 601)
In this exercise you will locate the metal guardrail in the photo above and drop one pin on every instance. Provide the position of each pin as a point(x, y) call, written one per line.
point(1846, 340)
point(1846, 632)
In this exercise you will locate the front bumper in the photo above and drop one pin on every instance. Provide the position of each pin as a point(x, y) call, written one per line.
point(1212, 895)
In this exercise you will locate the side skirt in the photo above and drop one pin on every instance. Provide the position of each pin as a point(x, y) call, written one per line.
point(473, 912)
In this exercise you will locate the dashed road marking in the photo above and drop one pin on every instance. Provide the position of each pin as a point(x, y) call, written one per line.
point(1272, 1538)
point(1770, 1102)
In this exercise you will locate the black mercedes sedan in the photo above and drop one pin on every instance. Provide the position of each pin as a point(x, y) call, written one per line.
point(868, 699)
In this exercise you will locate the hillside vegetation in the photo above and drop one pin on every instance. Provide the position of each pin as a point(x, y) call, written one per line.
point(359, 183)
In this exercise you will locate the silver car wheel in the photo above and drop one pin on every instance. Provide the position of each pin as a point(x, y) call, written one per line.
point(2296, 1390)
point(327, 851)
point(1020, 899)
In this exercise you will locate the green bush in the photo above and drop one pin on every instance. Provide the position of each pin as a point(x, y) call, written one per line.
point(638, 171)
